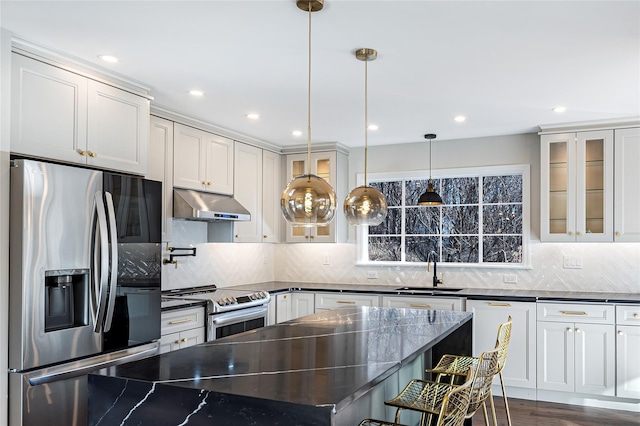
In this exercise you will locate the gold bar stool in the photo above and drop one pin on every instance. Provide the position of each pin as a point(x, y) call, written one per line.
point(457, 365)
point(427, 397)
point(453, 411)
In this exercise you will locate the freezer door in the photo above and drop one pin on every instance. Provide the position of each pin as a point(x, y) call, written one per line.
point(52, 312)
point(57, 396)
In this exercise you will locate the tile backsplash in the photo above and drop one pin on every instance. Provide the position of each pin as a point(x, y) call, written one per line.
point(606, 267)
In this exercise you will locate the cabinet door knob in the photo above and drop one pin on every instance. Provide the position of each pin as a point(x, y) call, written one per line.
point(306, 236)
point(177, 342)
point(312, 236)
point(264, 236)
point(92, 154)
point(618, 234)
point(620, 333)
point(636, 315)
point(571, 234)
point(578, 330)
point(82, 152)
point(184, 340)
point(570, 330)
point(204, 182)
point(236, 235)
point(579, 234)
point(209, 183)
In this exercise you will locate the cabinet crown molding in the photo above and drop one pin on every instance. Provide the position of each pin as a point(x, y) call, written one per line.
point(617, 123)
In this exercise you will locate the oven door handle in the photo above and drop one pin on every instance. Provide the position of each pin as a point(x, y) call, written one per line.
point(241, 314)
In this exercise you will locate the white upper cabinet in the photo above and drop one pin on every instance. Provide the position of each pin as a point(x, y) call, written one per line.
point(202, 160)
point(248, 192)
point(60, 115)
point(333, 167)
point(577, 186)
point(257, 188)
point(161, 167)
point(627, 185)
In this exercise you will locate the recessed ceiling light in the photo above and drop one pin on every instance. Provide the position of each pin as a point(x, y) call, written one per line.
point(196, 92)
point(559, 109)
point(253, 116)
point(459, 118)
point(373, 127)
point(296, 133)
point(108, 58)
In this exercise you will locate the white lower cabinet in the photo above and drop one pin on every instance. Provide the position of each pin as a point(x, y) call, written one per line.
point(520, 369)
point(628, 351)
point(327, 301)
point(182, 328)
point(576, 348)
point(293, 305)
point(425, 302)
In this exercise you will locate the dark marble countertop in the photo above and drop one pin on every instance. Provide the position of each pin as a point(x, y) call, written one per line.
point(275, 287)
point(323, 360)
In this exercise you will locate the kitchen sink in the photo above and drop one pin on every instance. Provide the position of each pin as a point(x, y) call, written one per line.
point(433, 289)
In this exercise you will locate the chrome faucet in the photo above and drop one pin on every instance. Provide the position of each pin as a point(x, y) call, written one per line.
point(434, 255)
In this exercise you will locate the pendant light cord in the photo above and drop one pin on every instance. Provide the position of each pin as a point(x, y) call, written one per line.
point(366, 120)
point(309, 102)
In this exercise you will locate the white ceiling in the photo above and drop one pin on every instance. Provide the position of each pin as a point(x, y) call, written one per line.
point(502, 64)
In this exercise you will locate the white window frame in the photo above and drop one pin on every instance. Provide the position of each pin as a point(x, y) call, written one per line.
point(362, 234)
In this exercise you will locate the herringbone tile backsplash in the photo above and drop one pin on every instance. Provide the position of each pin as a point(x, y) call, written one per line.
point(607, 267)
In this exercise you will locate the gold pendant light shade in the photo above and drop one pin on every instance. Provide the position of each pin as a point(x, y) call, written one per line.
point(308, 200)
point(365, 205)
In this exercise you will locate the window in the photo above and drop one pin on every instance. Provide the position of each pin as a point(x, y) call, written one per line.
point(483, 220)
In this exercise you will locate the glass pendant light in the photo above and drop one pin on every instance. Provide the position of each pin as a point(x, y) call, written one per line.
point(365, 205)
point(430, 196)
point(308, 200)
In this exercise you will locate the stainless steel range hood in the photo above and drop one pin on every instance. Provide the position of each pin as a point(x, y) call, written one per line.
point(204, 206)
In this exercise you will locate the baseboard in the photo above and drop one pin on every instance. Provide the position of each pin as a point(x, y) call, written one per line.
point(609, 402)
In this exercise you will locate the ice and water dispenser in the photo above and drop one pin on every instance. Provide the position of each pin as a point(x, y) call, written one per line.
point(66, 299)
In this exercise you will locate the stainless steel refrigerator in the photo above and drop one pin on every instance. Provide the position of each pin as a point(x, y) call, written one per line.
point(85, 260)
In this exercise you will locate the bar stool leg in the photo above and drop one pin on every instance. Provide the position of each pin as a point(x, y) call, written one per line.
point(504, 397)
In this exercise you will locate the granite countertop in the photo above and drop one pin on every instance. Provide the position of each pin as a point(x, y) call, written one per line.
point(325, 360)
point(275, 287)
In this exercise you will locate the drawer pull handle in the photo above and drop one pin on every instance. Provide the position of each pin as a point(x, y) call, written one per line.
point(582, 313)
point(419, 305)
point(184, 340)
point(346, 302)
point(499, 304)
point(180, 321)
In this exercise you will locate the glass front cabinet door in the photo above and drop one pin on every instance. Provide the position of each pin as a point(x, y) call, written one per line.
point(577, 186)
point(323, 164)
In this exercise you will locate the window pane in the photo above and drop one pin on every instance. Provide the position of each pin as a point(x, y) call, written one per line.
point(422, 220)
point(384, 249)
point(418, 248)
point(500, 249)
point(415, 188)
point(460, 220)
point(391, 190)
point(459, 190)
point(460, 249)
point(392, 224)
point(502, 219)
point(502, 189)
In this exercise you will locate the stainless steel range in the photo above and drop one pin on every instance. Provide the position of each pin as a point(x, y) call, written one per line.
point(228, 311)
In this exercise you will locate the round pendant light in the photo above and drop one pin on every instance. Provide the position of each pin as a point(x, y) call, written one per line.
point(308, 200)
point(365, 205)
point(430, 196)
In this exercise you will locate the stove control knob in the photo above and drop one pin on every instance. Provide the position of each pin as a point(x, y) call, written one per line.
point(234, 300)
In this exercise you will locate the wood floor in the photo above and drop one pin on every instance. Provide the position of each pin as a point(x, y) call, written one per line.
point(534, 413)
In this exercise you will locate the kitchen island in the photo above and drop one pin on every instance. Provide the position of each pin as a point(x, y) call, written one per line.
point(330, 368)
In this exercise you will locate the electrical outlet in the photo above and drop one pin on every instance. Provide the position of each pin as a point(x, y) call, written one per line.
point(325, 259)
point(510, 278)
point(372, 275)
point(572, 262)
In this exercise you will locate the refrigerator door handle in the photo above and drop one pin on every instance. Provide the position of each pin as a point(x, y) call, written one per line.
point(85, 366)
point(100, 262)
point(113, 231)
